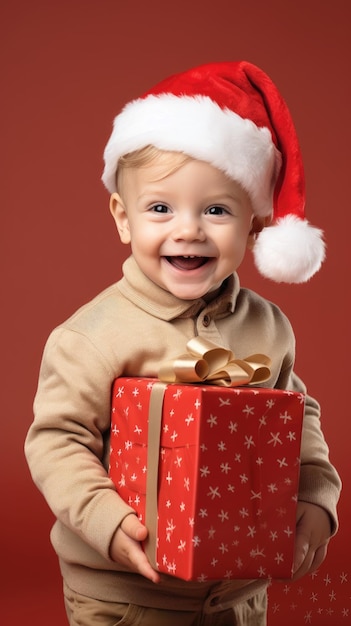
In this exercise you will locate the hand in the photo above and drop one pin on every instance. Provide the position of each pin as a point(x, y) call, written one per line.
point(126, 548)
point(313, 531)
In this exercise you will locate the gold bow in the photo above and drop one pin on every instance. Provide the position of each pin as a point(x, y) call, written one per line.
point(207, 362)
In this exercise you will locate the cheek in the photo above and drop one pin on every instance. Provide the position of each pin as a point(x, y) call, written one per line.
point(143, 239)
point(234, 242)
point(233, 247)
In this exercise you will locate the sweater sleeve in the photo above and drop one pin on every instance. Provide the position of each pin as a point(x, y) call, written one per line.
point(65, 447)
point(320, 483)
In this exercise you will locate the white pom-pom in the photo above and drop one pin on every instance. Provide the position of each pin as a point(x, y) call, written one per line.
point(290, 251)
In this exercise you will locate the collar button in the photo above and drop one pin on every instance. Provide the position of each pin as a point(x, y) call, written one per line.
point(207, 320)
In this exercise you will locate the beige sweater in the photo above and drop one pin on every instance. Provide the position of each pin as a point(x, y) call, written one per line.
point(128, 330)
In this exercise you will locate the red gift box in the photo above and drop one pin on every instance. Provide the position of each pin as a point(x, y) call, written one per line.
point(217, 487)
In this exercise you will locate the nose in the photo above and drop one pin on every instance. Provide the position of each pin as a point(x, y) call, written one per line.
point(188, 227)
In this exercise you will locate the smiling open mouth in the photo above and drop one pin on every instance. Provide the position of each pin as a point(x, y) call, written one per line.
point(187, 262)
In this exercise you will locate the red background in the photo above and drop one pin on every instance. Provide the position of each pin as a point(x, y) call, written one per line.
point(66, 69)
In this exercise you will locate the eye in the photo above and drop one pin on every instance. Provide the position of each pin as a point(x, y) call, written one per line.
point(159, 208)
point(216, 210)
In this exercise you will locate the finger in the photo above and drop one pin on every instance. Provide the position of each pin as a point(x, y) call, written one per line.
point(129, 552)
point(319, 557)
point(134, 528)
point(138, 560)
point(301, 550)
point(304, 566)
point(307, 558)
point(144, 568)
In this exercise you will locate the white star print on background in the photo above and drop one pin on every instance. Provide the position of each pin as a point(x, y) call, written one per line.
point(321, 599)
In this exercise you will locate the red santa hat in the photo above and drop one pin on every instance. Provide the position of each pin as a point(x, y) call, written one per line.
point(232, 115)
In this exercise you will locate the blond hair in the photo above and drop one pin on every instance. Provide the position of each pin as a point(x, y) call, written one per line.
point(171, 161)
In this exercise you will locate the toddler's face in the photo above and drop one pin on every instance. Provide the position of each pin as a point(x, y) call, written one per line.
point(188, 230)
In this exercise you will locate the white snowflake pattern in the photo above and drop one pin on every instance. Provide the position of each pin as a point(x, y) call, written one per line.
point(249, 442)
point(279, 557)
point(223, 548)
point(224, 402)
point(286, 417)
point(225, 468)
point(122, 481)
point(182, 545)
point(314, 596)
point(272, 487)
point(257, 552)
point(204, 471)
point(212, 421)
point(214, 493)
point(249, 410)
point(275, 439)
point(120, 392)
point(223, 515)
point(170, 526)
point(189, 419)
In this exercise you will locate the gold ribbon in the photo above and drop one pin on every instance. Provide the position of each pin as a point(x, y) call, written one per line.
point(205, 362)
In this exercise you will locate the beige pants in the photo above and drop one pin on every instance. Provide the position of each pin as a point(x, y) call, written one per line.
point(84, 611)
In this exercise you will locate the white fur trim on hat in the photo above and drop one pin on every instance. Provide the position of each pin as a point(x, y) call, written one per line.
point(290, 251)
point(199, 127)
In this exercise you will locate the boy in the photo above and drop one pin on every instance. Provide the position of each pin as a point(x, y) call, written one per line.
point(200, 168)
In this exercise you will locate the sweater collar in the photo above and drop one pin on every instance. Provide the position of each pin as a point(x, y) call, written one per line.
point(160, 303)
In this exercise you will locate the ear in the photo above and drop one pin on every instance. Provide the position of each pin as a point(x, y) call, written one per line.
point(257, 224)
point(119, 214)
